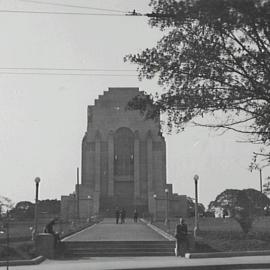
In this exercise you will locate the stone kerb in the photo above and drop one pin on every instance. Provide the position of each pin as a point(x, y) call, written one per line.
point(34, 261)
point(45, 245)
point(158, 230)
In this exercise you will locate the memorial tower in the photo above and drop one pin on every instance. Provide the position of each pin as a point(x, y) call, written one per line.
point(123, 159)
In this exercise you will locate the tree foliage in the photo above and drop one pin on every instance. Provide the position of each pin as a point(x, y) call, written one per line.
point(26, 209)
point(50, 206)
point(5, 204)
point(243, 205)
point(246, 198)
point(214, 57)
point(191, 208)
point(23, 210)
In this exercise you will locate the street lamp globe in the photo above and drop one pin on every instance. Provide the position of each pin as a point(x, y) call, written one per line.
point(196, 177)
point(166, 190)
point(155, 196)
point(37, 180)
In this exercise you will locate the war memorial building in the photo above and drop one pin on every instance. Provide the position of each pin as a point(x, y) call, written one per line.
point(123, 163)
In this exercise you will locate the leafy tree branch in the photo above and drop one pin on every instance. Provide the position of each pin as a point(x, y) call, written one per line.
point(214, 56)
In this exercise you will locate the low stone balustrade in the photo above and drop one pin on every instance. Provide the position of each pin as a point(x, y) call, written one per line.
point(45, 245)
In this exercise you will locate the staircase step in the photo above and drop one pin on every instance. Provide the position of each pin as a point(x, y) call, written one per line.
point(113, 243)
point(118, 248)
point(117, 254)
point(89, 244)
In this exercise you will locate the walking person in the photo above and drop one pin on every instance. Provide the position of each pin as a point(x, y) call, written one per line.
point(181, 235)
point(117, 215)
point(123, 215)
point(135, 216)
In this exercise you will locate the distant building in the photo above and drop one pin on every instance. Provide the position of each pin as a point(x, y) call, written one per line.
point(221, 212)
point(123, 163)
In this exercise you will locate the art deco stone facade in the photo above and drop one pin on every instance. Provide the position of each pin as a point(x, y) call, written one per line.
point(123, 160)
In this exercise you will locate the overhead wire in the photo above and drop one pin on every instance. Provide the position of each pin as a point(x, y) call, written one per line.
point(59, 13)
point(67, 69)
point(72, 6)
point(68, 74)
point(120, 12)
point(17, 69)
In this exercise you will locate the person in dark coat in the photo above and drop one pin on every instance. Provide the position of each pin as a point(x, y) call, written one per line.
point(135, 216)
point(181, 235)
point(123, 215)
point(49, 229)
point(117, 215)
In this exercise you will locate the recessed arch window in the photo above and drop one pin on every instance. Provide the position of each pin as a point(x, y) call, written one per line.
point(123, 152)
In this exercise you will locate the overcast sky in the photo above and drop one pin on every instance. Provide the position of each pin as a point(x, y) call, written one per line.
point(43, 117)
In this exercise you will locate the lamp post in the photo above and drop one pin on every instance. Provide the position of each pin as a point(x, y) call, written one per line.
point(260, 169)
point(167, 202)
point(37, 180)
point(196, 225)
point(155, 198)
point(89, 207)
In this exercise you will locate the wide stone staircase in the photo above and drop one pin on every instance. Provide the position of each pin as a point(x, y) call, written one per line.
point(108, 239)
point(118, 248)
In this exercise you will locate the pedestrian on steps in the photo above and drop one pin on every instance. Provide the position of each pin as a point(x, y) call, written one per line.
point(135, 216)
point(117, 215)
point(123, 215)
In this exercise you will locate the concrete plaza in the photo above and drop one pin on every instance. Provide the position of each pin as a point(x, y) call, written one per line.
point(108, 230)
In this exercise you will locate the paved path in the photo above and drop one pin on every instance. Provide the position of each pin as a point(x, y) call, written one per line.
point(107, 230)
point(151, 262)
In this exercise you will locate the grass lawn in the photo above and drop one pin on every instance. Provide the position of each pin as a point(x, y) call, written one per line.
point(217, 234)
point(21, 246)
point(23, 229)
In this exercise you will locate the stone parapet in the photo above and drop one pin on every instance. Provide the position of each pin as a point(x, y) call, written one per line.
point(45, 245)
